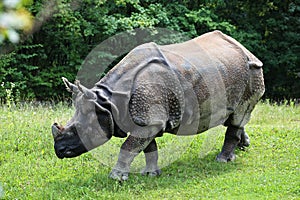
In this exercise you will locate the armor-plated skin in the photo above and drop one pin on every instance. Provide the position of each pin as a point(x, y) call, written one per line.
point(182, 89)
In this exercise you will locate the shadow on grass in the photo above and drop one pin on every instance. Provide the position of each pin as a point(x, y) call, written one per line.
point(183, 173)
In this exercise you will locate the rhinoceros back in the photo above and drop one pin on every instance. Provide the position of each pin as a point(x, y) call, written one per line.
point(189, 87)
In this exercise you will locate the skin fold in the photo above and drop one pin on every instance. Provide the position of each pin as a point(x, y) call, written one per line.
point(182, 89)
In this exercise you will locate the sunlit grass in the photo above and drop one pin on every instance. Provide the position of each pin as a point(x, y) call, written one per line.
point(268, 169)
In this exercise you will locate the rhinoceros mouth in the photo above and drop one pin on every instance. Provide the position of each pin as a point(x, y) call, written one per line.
point(66, 154)
point(59, 155)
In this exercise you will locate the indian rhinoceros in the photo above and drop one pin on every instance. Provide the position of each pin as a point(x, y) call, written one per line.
point(182, 89)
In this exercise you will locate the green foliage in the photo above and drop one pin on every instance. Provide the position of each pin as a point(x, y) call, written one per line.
point(9, 96)
point(205, 20)
point(270, 29)
point(268, 169)
point(278, 44)
point(285, 47)
point(21, 67)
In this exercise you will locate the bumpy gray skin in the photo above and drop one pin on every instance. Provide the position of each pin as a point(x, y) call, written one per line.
point(182, 89)
point(199, 84)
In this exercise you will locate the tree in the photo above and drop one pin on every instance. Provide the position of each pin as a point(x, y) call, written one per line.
point(270, 29)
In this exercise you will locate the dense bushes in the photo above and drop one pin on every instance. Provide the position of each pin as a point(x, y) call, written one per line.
point(270, 29)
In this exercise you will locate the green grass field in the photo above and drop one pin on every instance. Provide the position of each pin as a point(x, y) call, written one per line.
point(268, 169)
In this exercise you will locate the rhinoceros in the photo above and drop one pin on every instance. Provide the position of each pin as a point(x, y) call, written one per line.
point(182, 89)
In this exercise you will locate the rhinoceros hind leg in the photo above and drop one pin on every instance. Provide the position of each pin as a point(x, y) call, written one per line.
point(151, 156)
point(232, 139)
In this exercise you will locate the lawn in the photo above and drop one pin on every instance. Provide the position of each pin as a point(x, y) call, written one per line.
point(268, 169)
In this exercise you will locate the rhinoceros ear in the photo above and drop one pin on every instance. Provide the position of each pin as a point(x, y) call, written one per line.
point(70, 86)
point(88, 94)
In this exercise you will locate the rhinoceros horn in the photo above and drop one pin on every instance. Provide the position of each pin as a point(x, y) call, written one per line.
point(55, 131)
point(89, 94)
point(70, 86)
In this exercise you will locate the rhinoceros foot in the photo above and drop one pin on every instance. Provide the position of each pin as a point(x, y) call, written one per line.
point(156, 172)
point(225, 158)
point(119, 175)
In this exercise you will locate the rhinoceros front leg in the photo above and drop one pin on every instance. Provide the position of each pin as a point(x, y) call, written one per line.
point(129, 150)
point(232, 140)
point(151, 155)
point(245, 141)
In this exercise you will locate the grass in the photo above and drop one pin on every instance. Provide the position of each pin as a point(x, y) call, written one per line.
point(268, 169)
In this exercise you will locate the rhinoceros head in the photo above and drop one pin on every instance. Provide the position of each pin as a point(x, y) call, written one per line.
point(91, 125)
